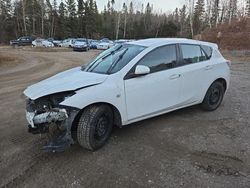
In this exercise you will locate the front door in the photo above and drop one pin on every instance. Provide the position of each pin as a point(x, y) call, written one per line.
point(158, 91)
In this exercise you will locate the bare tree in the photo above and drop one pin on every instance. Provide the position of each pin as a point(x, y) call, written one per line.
point(118, 25)
point(42, 5)
point(209, 12)
point(125, 10)
point(190, 5)
point(224, 5)
point(232, 9)
point(24, 16)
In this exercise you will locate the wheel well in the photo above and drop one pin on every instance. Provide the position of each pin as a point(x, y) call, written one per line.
point(116, 113)
point(223, 81)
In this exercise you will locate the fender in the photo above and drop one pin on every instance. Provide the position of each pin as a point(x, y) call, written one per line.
point(102, 93)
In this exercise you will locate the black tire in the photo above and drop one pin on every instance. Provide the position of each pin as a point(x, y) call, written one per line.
point(95, 126)
point(214, 97)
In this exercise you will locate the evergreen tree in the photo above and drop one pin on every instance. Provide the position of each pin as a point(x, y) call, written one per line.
point(91, 18)
point(62, 21)
point(199, 12)
point(71, 27)
point(131, 21)
point(176, 15)
point(125, 19)
point(6, 20)
point(147, 18)
point(81, 18)
point(183, 21)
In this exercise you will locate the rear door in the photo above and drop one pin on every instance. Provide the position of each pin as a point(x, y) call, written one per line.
point(157, 91)
point(195, 69)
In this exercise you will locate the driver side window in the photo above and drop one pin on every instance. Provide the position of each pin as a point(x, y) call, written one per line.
point(160, 59)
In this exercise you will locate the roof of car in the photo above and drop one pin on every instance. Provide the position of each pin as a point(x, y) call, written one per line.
point(163, 41)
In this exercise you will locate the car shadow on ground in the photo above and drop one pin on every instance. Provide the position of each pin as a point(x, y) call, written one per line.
point(126, 133)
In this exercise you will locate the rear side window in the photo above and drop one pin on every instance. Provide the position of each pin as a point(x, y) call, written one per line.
point(217, 54)
point(160, 59)
point(208, 50)
point(192, 54)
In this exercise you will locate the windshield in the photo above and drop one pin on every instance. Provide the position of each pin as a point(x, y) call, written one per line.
point(81, 40)
point(114, 59)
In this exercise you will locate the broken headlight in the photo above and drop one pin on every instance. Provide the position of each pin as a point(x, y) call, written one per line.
point(46, 103)
point(56, 99)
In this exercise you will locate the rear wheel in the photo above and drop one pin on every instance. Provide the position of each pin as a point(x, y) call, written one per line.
point(214, 96)
point(95, 126)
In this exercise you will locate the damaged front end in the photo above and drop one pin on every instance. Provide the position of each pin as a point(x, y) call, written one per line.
point(45, 115)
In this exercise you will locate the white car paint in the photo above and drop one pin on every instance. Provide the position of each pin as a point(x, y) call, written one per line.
point(42, 43)
point(67, 43)
point(105, 45)
point(66, 81)
point(141, 97)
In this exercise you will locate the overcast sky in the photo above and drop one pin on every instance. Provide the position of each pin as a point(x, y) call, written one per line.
point(159, 5)
point(164, 6)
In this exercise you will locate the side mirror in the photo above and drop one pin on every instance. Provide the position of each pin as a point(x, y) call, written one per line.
point(141, 70)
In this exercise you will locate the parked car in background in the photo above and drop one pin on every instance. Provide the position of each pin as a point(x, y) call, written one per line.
point(105, 44)
point(67, 43)
point(42, 43)
point(81, 44)
point(126, 84)
point(56, 42)
point(22, 41)
point(122, 41)
point(93, 44)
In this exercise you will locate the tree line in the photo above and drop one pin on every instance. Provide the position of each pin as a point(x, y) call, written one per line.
point(82, 18)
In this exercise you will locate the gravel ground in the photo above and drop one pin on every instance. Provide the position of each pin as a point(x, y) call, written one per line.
point(186, 148)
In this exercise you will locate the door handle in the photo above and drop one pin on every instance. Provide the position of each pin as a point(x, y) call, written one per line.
point(174, 76)
point(209, 67)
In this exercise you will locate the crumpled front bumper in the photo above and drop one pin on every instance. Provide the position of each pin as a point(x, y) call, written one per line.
point(52, 116)
point(57, 123)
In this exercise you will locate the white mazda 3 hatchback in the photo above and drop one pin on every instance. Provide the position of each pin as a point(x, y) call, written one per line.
point(127, 83)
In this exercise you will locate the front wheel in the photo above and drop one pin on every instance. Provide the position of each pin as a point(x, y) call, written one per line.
point(214, 96)
point(95, 126)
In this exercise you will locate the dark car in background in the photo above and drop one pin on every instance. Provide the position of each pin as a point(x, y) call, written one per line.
point(55, 42)
point(22, 41)
point(94, 43)
point(81, 44)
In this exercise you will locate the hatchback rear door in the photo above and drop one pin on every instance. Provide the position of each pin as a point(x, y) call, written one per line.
point(195, 70)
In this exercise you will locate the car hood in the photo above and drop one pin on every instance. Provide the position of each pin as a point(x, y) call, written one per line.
point(70, 80)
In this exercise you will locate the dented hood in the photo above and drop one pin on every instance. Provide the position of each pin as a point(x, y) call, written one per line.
point(69, 80)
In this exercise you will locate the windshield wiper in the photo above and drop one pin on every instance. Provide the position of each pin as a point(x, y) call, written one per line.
point(115, 62)
point(103, 58)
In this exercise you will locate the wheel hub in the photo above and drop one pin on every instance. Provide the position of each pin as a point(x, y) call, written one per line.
point(101, 127)
point(215, 96)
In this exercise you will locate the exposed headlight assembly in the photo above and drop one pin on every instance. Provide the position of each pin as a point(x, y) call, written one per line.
point(57, 98)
